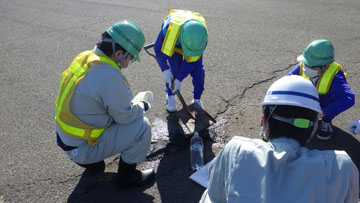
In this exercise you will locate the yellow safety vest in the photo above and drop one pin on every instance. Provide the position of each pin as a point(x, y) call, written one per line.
point(179, 17)
point(68, 122)
point(324, 83)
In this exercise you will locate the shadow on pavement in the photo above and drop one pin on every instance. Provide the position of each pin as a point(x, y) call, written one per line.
point(101, 187)
point(172, 174)
point(340, 140)
point(174, 169)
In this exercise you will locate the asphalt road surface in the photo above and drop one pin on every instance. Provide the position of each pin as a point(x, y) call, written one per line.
point(251, 44)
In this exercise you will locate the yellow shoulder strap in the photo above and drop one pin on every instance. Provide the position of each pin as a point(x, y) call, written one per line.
point(178, 17)
point(326, 79)
point(172, 35)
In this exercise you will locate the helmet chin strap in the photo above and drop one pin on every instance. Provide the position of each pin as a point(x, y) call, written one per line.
point(118, 62)
point(109, 40)
point(313, 132)
point(264, 125)
point(122, 58)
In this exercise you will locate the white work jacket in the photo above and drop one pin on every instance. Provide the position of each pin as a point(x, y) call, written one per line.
point(251, 170)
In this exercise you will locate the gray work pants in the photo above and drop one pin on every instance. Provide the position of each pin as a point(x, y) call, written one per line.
point(131, 140)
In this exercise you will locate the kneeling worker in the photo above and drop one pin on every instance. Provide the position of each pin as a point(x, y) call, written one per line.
point(281, 169)
point(96, 115)
point(317, 64)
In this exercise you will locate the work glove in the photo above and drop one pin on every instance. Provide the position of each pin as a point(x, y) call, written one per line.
point(177, 86)
point(354, 127)
point(144, 99)
point(167, 76)
point(145, 106)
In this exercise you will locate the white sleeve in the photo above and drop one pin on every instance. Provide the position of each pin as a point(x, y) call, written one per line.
point(353, 192)
point(216, 188)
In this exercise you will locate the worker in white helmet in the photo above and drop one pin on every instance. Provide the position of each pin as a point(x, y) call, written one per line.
point(279, 168)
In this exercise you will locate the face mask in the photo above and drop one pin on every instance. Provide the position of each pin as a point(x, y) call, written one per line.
point(129, 64)
point(119, 64)
point(309, 72)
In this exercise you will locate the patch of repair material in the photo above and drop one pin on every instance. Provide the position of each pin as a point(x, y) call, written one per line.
point(159, 131)
point(217, 133)
point(168, 138)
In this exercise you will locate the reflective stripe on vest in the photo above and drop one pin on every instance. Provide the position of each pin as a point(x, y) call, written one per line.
point(324, 83)
point(68, 122)
point(178, 18)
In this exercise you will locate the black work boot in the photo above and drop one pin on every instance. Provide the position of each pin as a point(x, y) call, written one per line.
point(128, 176)
point(325, 131)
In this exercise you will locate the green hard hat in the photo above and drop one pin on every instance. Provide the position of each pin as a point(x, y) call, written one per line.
point(128, 35)
point(193, 38)
point(318, 53)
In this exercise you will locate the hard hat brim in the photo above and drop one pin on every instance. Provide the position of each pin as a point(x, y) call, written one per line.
point(310, 63)
point(137, 58)
point(301, 58)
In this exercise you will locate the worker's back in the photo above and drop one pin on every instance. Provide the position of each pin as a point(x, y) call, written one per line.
point(281, 171)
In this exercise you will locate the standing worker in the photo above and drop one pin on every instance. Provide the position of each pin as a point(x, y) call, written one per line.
point(282, 169)
point(178, 49)
point(317, 64)
point(96, 115)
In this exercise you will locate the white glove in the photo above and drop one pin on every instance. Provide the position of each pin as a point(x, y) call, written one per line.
point(354, 127)
point(144, 97)
point(144, 105)
point(167, 76)
point(177, 86)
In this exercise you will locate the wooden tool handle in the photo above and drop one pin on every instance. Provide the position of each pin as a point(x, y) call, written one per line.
point(181, 98)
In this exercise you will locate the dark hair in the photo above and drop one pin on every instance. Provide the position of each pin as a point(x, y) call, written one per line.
point(106, 47)
point(281, 129)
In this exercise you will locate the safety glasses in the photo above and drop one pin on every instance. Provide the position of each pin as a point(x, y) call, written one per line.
point(127, 55)
point(297, 122)
point(131, 59)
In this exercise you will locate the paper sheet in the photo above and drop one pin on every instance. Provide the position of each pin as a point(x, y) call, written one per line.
point(201, 176)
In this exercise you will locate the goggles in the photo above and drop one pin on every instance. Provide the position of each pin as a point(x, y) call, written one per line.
point(297, 122)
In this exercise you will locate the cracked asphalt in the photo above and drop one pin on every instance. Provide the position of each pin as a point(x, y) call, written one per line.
point(251, 44)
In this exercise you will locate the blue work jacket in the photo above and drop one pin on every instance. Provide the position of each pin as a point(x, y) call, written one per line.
point(338, 99)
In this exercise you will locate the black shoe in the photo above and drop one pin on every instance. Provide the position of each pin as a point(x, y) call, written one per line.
point(323, 135)
point(128, 176)
point(325, 131)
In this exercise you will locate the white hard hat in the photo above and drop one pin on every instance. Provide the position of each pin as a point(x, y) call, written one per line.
point(293, 90)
